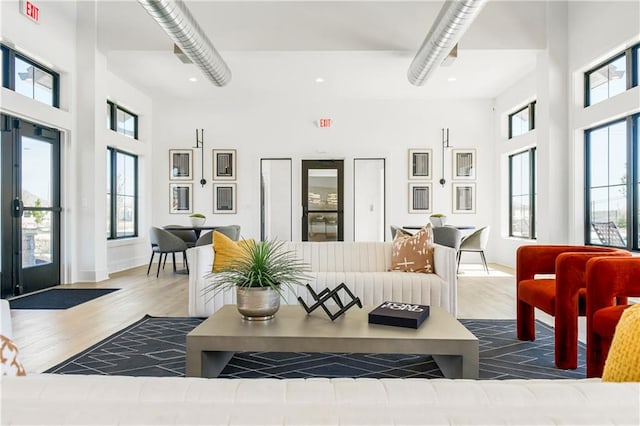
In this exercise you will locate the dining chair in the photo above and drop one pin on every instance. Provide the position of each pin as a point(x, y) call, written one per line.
point(187, 235)
point(475, 242)
point(610, 282)
point(164, 242)
point(552, 279)
point(231, 231)
point(395, 230)
point(448, 236)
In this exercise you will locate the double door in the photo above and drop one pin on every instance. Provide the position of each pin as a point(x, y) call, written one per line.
point(30, 215)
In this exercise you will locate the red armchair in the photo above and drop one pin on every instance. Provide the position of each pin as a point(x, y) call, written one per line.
point(609, 282)
point(562, 296)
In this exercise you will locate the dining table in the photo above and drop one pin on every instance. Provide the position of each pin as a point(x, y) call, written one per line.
point(197, 229)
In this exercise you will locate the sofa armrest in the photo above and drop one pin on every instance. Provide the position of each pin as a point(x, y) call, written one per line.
point(5, 319)
point(445, 266)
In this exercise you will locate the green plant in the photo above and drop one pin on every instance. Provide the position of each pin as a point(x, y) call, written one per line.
point(38, 215)
point(263, 264)
point(198, 215)
point(438, 215)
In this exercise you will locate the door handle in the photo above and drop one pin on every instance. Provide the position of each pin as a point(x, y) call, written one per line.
point(18, 208)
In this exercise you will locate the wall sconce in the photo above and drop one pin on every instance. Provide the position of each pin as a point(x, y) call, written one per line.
point(445, 144)
point(200, 145)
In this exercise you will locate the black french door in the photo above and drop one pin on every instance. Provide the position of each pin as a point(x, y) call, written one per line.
point(30, 216)
point(322, 200)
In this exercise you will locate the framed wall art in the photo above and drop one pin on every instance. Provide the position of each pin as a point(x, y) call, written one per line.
point(224, 198)
point(420, 164)
point(464, 164)
point(180, 198)
point(420, 198)
point(180, 164)
point(464, 197)
point(224, 164)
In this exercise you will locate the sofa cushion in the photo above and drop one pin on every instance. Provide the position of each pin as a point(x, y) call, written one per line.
point(413, 253)
point(227, 251)
point(11, 366)
point(623, 360)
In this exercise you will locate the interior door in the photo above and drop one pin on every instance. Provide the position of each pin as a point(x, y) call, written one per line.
point(30, 218)
point(322, 200)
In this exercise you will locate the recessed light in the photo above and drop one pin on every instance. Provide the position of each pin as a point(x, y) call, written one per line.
point(319, 80)
point(451, 79)
point(193, 79)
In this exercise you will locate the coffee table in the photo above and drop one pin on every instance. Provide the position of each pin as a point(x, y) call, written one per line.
point(211, 345)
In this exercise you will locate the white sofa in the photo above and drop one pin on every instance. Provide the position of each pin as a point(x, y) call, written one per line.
point(362, 266)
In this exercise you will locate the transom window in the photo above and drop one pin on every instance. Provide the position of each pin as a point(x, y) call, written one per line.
point(614, 76)
point(522, 194)
point(29, 78)
point(121, 120)
point(522, 121)
point(122, 194)
point(613, 184)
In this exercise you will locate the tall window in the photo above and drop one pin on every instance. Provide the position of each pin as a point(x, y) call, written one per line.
point(612, 184)
point(522, 194)
point(122, 121)
point(522, 121)
point(614, 76)
point(122, 194)
point(29, 78)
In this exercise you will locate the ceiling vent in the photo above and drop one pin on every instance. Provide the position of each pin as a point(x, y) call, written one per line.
point(176, 20)
point(454, 19)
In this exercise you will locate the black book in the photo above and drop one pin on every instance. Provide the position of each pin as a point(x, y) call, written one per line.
point(399, 314)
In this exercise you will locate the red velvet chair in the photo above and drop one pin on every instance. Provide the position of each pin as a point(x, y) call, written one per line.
point(562, 296)
point(609, 282)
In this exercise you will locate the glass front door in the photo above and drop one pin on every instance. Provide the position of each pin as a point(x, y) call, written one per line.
point(322, 200)
point(31, 207)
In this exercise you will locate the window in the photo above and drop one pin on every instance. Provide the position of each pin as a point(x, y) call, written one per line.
point(122, 194)
point(613, 184)
point(29, 78)
point(523, 194)
point(122, 121)
point(611, 78)
point(522, 121)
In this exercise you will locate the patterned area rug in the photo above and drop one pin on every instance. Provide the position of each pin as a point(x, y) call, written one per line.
point(156, 347)
point(58, 298)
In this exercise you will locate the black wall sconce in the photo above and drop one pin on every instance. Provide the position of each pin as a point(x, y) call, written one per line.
point(445, 144)
point(200, 145)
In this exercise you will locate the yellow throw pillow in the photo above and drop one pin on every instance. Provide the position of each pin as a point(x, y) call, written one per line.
point(227, 251)
point(9, 358)
point(623, 361)
point(413, 253)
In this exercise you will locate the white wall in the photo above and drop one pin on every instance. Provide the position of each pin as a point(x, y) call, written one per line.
point(371, 128)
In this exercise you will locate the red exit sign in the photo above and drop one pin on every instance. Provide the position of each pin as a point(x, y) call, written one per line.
point(30, 10)
point(324, 123)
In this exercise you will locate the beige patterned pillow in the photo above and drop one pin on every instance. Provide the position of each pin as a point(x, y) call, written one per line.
point(9, 358)
point(413, 253)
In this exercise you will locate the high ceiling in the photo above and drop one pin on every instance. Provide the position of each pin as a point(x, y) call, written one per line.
point(362, 49)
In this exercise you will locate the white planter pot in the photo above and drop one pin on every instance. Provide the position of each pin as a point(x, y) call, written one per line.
point(197, 221)
point(438, 221)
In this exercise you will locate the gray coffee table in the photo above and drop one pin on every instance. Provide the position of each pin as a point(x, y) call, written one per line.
point(211, 345)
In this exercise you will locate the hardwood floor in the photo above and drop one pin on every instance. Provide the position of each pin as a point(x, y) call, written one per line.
point(46, 338)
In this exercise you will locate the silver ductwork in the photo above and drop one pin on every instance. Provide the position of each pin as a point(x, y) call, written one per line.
point(454, 19)
point(176, 20)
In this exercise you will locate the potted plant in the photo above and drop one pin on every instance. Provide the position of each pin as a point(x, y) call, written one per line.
point(197, 219)
point(438, 219)
point(258, 276)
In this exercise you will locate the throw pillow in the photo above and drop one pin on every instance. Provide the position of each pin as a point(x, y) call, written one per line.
point(623, 360)
point(227, 251)
point(413, 253)
point(9, 358)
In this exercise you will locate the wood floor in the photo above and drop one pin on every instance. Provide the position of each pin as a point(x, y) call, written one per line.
point(46, 338)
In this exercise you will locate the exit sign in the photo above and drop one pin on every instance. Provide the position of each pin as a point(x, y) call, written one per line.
point(324, 123)
point(30, 10)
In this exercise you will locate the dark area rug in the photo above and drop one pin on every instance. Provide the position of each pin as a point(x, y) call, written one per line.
point(156, 347)
point(58, 298)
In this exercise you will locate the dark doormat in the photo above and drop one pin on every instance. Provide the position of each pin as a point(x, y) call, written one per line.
point(58, 298)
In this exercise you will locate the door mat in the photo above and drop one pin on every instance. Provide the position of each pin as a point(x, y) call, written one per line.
point(58, 298)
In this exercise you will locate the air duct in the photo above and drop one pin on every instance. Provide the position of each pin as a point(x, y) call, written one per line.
point(176, 20)
point(452, 22)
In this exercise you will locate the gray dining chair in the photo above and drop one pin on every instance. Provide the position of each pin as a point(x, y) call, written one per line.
point(231, 231)
point(187, 235)
point(448, 236)
point(164, 242)
point(396, 229)
point(475, 242)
